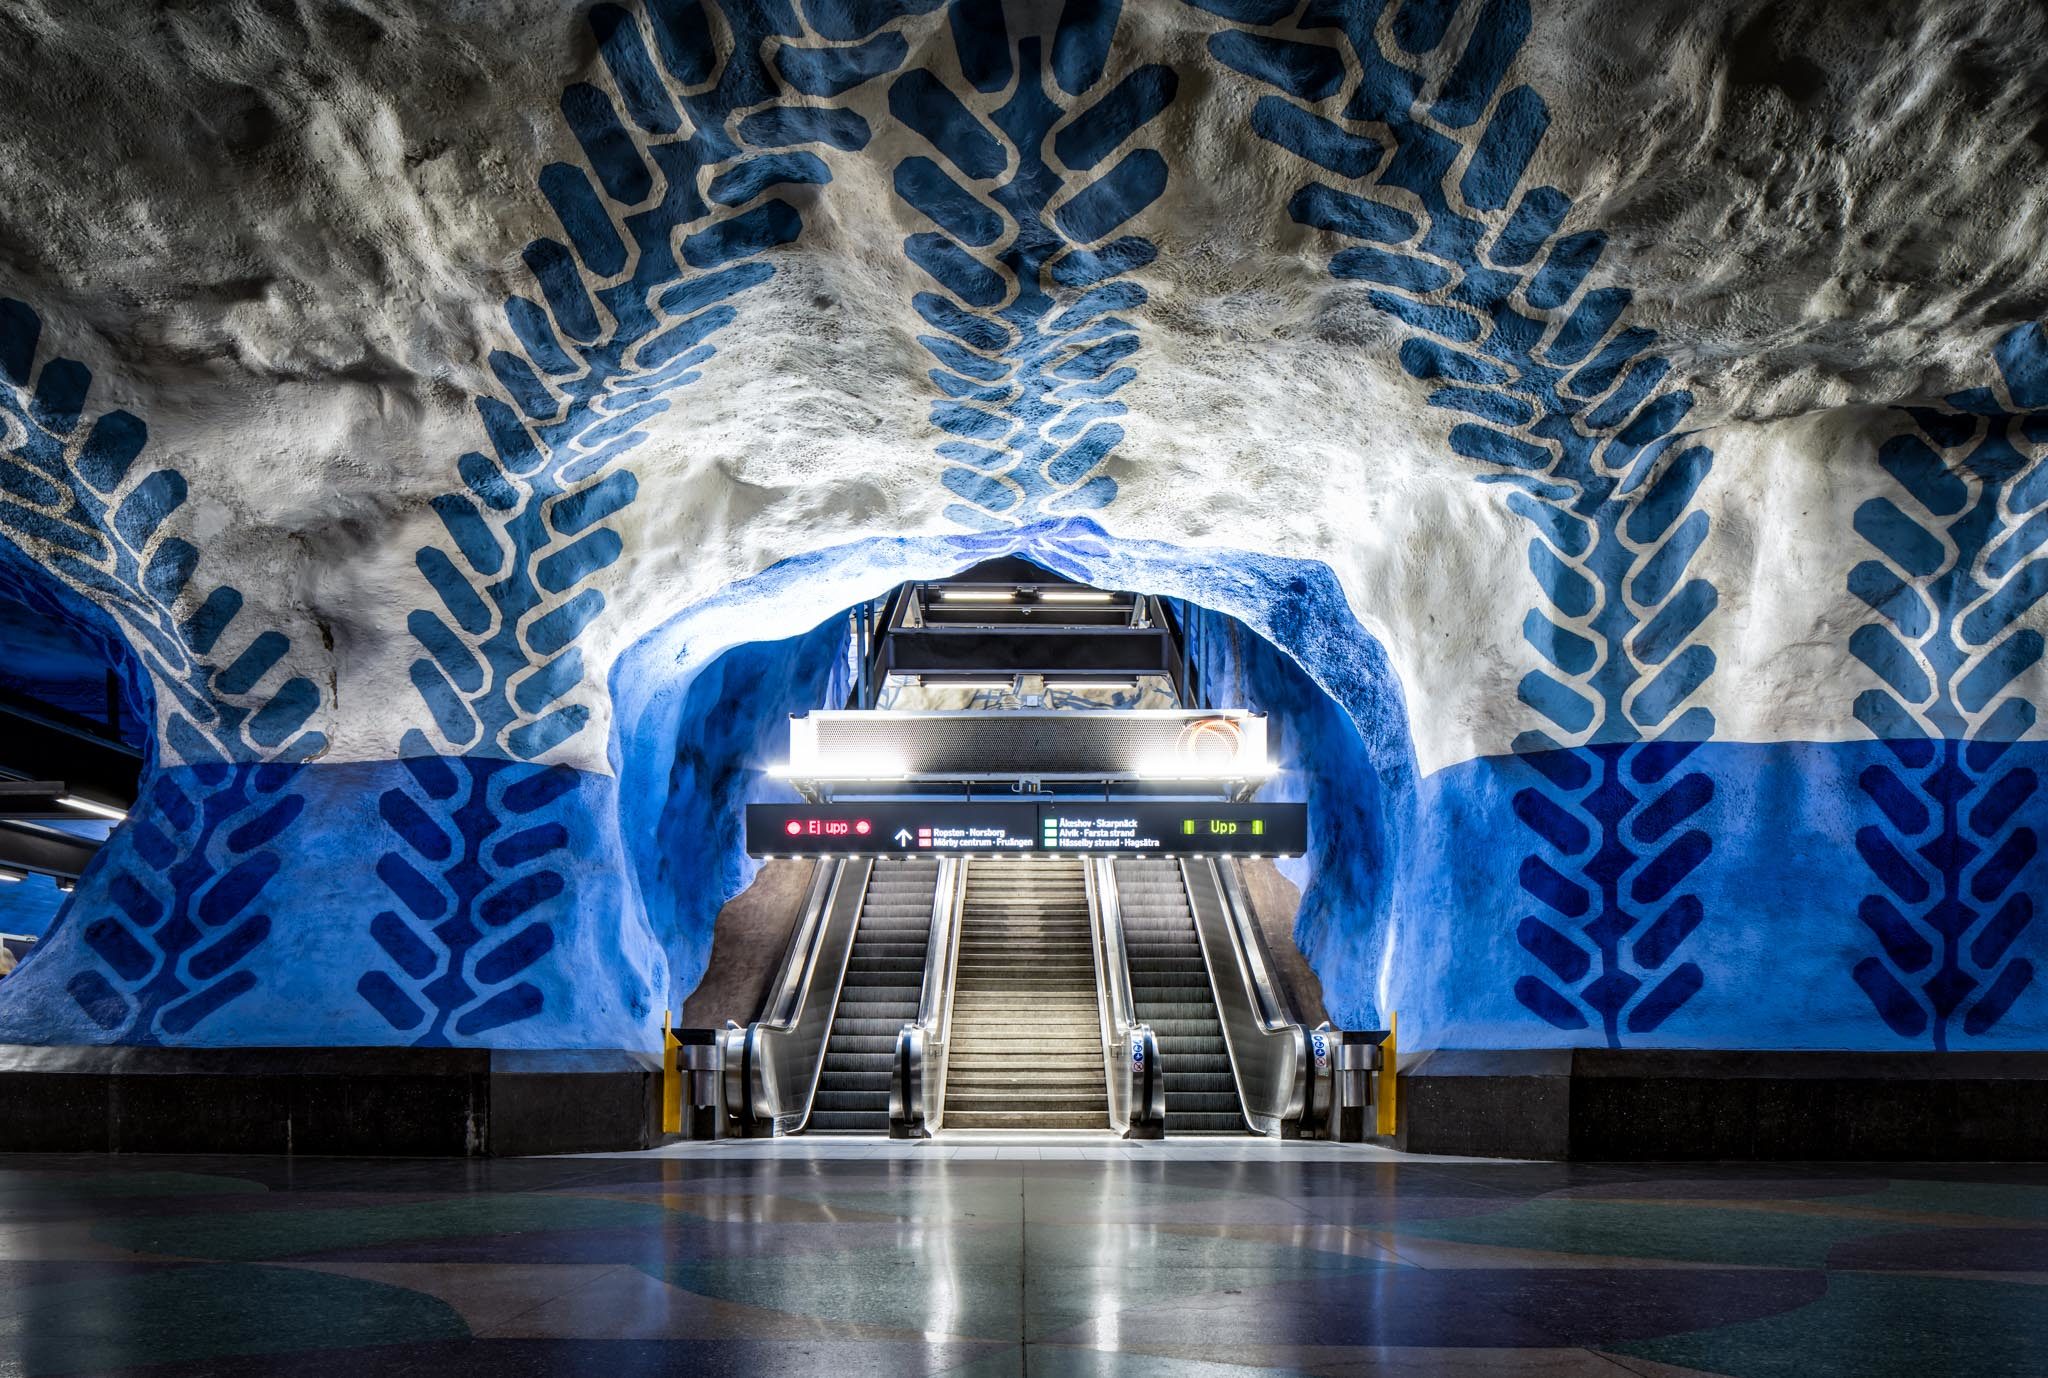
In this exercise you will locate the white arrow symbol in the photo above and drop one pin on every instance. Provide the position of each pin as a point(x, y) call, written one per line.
point(903, 837)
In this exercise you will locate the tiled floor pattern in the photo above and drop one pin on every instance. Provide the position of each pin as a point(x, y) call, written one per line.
point(990, 1259)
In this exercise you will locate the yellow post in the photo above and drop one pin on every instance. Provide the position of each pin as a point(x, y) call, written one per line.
point(671, 1078)
point(1389, 1065)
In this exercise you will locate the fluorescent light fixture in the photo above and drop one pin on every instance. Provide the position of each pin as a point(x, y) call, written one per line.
point(881, 768)
point(1175, 769)
point(10, 876)
point(977, 595)
point(72, 801)
point(1074, 596)
point(847, 767)
point(66, 884)
point(1111, 682)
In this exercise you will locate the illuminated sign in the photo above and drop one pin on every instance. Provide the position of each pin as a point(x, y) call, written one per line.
point(942, 827)
point(827, 827)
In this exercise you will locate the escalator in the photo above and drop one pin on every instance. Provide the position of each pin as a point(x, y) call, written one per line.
point(884, 976)
point(1171, 993)
point(1026, 1039)
point(1026, 992)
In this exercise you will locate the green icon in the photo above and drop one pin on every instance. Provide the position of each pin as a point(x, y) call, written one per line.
point(1258, 826)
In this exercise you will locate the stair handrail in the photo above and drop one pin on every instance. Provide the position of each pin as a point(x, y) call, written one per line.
point(1136, 1082)
point(917, 1075)
point(772, 1066)
point(1270, 1056)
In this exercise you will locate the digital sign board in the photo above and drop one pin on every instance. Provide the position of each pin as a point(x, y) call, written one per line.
point(949, 827)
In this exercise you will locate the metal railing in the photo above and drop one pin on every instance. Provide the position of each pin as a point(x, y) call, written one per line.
point(1283, 1086)
point(1130, 1052)
point(772, 1066)
point(917, 1077)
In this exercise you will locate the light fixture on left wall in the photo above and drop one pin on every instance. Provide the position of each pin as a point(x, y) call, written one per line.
point(93, 807)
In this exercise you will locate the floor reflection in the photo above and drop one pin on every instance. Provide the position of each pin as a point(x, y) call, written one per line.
point(1041, 1257)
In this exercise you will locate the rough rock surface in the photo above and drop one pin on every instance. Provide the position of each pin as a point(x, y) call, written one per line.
point(1630, 417)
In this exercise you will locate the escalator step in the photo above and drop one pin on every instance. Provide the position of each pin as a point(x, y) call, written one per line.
point(1218, 1082)
point(842, 1121)
point(884, 983)
point(1171, 991)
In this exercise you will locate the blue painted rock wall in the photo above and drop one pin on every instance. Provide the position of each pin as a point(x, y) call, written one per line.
point(1652, 612)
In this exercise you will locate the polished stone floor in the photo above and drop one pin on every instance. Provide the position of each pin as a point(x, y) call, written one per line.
point(1007, 1257)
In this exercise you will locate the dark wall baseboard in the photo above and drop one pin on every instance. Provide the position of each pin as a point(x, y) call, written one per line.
point(1582, 1104)
point(1701, 1105)
point(411, 1102)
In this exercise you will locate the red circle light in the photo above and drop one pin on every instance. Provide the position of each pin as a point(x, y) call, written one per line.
point(792, 827)
point(861, 827)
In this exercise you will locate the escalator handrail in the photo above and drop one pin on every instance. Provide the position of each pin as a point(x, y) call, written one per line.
point(956, 909)
point(926, 1105)
point(1274, 1007)
point(787, 988)
point(1119, 1116)
point(1136, 1094)
point(1248, 998)
point(784, 1054)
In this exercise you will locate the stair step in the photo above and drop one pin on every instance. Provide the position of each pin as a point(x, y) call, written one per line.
point(1022, 1098)
point(1025, 1119)
point(983, 1052)
point(1025, 1046)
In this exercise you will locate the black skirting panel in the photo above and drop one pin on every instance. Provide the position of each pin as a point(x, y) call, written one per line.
point(1669, 1105)
point(439, 1102)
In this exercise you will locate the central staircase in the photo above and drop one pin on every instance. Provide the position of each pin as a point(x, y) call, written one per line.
point(1026, 1035)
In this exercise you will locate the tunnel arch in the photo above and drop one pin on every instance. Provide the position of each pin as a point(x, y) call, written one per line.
point(26, 582)
point(1309, 659)
point(36, 906)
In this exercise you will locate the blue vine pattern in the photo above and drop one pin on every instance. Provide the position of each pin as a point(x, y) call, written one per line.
point(697, 140)
point(1027, 335)
point(465, 942)
point(183, 914)
point(691, 149)
point(1566, 406)
point(1961, 564)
